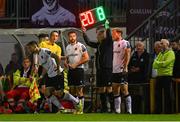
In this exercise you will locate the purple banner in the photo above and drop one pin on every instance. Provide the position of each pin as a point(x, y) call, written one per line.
point(54, 13)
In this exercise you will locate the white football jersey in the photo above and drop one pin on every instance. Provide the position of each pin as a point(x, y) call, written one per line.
point(47, 62)
point(118, 55)
point(75, 52)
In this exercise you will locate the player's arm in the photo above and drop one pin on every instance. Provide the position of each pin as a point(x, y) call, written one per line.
point(56, 57)
point(84, 59)
point(85, 56)
point(127, 58)
point(59, 52)
point(44, 71)
point(35, 65)
point(66, 63)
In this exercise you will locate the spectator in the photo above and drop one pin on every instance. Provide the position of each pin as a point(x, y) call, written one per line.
point(13, 65)
point(20, 92)
point(19, 53)
point(157, 50)
point(164, 63)
point(10, 69)
point(139, 68)
point(176, 75)
point(176, 48)
point(139, 65)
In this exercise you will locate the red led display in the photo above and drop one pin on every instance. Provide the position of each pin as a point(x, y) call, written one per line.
point(87, 18)
point(92, 17)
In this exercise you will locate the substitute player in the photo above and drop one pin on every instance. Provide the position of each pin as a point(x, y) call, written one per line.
point(77, 56)
point(121, 57)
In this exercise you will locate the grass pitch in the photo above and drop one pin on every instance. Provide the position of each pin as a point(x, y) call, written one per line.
point(89, 117)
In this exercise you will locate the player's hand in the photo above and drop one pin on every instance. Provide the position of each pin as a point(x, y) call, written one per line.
point(66, 65)
point(73, 66)
point(125, 69)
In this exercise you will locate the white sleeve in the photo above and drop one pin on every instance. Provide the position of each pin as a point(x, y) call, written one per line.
point(35, 60)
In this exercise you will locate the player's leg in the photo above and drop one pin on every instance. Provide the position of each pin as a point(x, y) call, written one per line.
point(79, 84)
point(117, 97)
point(53, 87)
point(72, 90)
point(80, 94)
point(126, 95)
point(65, 95)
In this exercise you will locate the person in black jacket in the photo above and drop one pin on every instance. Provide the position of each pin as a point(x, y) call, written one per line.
point(139, 65)
point(104, 57)
point(176, 74)
point(139, 70)
point(176, 48)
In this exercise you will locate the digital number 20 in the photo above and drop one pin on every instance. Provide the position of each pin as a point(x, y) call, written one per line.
point(87, 18)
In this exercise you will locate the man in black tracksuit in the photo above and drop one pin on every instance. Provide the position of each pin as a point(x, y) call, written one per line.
point(104, 57)
point(139, 71)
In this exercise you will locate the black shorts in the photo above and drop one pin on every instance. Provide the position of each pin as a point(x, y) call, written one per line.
point(76, 77)
point(103, 77)
point(119, 78)
point(57, 82)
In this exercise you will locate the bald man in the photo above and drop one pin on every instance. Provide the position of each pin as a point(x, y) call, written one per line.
point(164, 63)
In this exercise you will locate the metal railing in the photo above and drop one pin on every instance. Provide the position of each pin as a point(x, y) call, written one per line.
point(163, 23)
